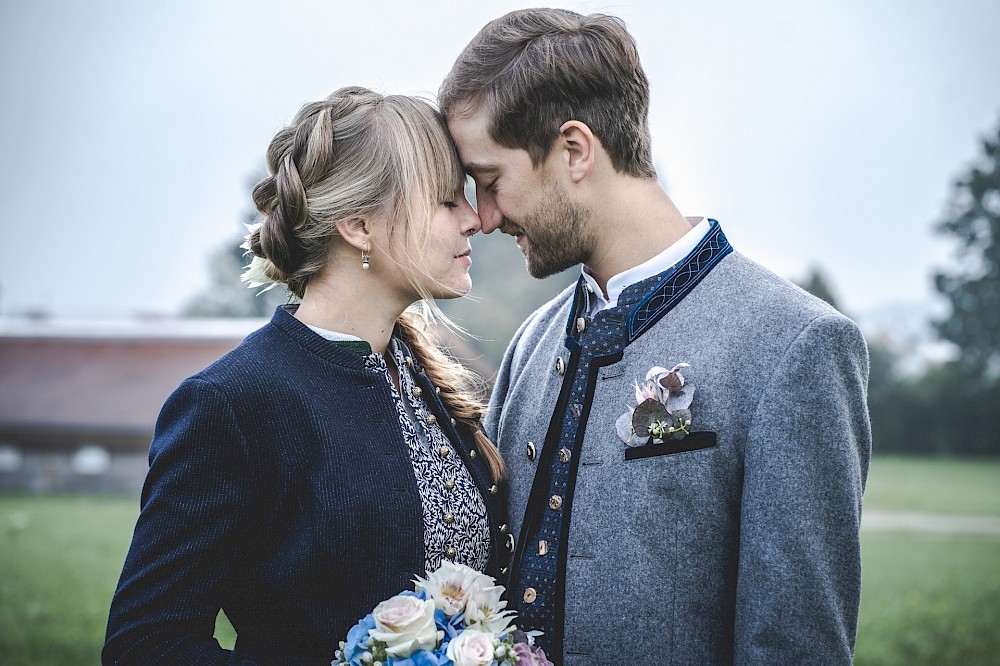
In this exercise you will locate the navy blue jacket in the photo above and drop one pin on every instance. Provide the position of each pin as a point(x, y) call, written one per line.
point(280, 489)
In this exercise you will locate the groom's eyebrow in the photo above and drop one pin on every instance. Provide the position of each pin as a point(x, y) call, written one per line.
point(477, 168)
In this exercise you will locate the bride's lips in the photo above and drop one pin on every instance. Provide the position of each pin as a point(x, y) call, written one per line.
point(465, 257)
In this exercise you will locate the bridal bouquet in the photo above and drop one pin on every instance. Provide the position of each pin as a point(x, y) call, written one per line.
point(455, 617)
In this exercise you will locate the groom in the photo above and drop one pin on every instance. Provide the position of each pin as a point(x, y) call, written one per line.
point(686, 433)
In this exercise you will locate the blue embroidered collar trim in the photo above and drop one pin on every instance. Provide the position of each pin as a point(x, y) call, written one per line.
point(647, 301)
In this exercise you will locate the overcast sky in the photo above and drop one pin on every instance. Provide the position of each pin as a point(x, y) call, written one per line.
point(822, 133)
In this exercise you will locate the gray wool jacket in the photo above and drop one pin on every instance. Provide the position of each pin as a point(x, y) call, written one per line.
point(745, 552)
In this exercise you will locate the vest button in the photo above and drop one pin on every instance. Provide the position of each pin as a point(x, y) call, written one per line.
point(555, 502)
point(530, 595)
point(493, 489)
point(564, 455)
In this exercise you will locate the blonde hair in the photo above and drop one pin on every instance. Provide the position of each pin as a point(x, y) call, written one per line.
point(356, 154)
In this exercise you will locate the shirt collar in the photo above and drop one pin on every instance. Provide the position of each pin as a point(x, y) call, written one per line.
point(351, 342)
point(661, 262)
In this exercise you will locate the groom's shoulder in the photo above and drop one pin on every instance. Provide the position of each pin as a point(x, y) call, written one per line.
point(555, 310)
point(763, 291)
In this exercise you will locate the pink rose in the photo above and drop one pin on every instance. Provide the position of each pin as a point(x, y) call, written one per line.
point(405, 623)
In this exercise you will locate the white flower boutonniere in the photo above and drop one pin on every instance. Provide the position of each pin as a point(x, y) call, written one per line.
point(663, 410)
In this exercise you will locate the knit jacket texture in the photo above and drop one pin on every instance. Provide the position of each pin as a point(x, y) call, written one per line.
point(280, 489)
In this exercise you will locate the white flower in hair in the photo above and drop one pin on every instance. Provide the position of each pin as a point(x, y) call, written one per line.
point(254, 273)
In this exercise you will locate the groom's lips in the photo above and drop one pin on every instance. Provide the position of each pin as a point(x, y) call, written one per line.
point(512, 229)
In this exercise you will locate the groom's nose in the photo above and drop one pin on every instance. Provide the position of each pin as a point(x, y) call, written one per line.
point(489, 214)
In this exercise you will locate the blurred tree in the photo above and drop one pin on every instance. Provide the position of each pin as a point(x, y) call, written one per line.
point(227, 295)
point(973, 286)
point(817, 284)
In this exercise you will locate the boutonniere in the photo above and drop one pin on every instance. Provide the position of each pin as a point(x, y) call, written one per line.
point(662, 411)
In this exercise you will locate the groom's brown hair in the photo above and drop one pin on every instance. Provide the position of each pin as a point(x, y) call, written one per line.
point(534, 69)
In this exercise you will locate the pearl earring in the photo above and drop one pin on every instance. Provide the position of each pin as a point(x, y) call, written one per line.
point(365, 257)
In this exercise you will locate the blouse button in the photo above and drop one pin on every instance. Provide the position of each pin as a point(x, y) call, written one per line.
point(581, 325)
point(449, 552)
point(449, 518)
point(449, 483)
point(417, 392)
point(444, 451)
point(431, 419)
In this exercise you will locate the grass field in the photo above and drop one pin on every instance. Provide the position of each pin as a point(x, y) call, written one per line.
point(926, 599)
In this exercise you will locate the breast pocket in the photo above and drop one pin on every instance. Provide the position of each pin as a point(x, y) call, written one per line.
point(692, 442)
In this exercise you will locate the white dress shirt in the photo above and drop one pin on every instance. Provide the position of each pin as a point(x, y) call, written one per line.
point(661, 262)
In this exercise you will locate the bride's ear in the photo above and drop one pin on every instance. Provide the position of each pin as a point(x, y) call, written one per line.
point(355, 231)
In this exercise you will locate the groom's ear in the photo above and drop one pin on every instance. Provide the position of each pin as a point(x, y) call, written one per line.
point(579, 149)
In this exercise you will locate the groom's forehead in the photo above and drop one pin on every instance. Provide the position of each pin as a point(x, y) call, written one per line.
point(478, 150)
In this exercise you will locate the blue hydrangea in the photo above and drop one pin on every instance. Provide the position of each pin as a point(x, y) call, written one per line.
point(357, 640)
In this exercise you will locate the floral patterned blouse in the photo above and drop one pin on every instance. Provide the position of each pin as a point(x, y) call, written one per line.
point(455, 521)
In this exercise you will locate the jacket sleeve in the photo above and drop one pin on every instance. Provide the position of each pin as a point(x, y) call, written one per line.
point(806, 462)
point(194, 507)
point(501, 384)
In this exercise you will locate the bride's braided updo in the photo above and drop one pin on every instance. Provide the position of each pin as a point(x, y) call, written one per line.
point(357, 154)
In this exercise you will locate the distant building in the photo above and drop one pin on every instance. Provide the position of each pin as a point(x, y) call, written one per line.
point(79, 399)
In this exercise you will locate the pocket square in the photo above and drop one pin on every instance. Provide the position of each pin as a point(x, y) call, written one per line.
point(702, 439)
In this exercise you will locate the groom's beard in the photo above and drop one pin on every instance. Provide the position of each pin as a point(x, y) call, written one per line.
point(554, 236)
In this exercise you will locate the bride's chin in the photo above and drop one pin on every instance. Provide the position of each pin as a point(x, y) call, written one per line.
point(456, 291)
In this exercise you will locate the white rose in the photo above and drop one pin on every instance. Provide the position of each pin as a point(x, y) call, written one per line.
point(472, 648)
point(405, 624)
point(452, 584)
